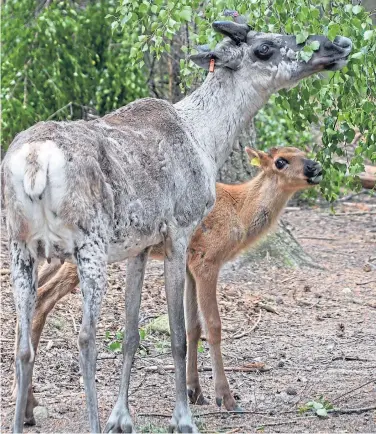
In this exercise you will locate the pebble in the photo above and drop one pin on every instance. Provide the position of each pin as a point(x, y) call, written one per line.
point(281, 364)
point(41, 412)
point(291, 391)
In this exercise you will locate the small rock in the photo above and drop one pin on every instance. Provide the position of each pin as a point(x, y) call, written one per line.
point(282, 354)
point(279, 300)
point(159, 325)
point(291, 391)
point(307, 288)
point(41, 413)
point(281, 364)
point(367, 268)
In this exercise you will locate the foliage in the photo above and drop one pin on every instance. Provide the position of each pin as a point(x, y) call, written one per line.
point(60, 54)
point(319, 407)
point(340, 103)
point(116, 341)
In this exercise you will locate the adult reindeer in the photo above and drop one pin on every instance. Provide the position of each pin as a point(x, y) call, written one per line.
point(105, 190)
point(242, 214)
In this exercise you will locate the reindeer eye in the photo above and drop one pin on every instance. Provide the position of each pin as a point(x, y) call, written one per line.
point(264, 51)
point(281, 163)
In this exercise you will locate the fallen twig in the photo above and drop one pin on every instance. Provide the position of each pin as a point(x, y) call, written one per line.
point(286, 422)
point(238, 336)
point(317, 238)
point(353, 213)
point(352, 358)
point(267, 307)
point(353, 390)
point(250, 367)
point(365, 283)
point(352, 410)
point(112, 356)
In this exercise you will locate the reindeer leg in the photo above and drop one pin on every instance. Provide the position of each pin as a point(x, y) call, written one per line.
point(24, 273)
point(175, 268)
point(92, 269)
point(120, 419)
point(207, 300)
point(193, 327)
point(63, 281)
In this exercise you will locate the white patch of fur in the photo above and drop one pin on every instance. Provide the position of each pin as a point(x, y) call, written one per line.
point(46, 196)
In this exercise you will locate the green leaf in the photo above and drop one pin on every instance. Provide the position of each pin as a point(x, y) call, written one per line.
point(302, 37)
point(315, 45)
point(357, 9)
point(317, 405)
point(186, 13)
point(322, 412)
point(114, 346)
point(368, 34)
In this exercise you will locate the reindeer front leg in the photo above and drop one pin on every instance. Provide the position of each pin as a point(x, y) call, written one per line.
point(175, 268)
point(24, 273)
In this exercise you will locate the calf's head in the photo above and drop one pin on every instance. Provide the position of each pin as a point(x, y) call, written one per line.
point(289, 166)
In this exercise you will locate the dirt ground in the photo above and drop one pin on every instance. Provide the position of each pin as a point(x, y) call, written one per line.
point(321, 342)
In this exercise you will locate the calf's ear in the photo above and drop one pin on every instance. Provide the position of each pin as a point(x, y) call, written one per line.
point(258, 158)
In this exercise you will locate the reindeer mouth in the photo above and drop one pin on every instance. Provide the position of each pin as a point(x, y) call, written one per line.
point(330, 64)
point(337, 64)
point(315, 179)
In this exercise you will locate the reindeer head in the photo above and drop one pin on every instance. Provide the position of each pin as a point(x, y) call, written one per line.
point(270, 61)
point(294, 171)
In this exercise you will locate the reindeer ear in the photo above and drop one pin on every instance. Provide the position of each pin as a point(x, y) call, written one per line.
point(221, 60)
point(258, 158)
point(253, 156)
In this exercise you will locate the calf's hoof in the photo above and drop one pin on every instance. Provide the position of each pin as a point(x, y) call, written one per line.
point(196, 396)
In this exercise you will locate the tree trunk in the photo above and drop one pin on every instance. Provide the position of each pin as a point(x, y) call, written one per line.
point(281, 245)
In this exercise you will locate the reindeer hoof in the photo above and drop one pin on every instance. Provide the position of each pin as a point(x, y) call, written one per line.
point(29, 421)
point(182, 424)
point(196, 397)
point(119, 421)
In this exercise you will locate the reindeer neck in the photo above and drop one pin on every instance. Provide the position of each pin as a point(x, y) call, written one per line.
point(263, 201)
point(220, 109)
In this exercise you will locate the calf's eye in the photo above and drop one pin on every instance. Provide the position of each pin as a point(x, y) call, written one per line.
point(281, 163)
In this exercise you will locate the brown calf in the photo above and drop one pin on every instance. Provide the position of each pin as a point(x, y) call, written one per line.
point(241, 215)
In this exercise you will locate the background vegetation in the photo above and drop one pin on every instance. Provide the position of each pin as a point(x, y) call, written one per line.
point(103, 54)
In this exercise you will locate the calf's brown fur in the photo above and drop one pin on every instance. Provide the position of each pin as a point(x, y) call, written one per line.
point(241, 215)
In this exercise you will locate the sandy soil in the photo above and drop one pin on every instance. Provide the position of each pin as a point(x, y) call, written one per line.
point(321, 342)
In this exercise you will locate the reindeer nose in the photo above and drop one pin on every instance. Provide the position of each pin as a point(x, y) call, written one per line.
point(343, 42)
point(312, 168)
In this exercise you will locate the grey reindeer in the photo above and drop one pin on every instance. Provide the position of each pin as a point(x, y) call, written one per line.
point(109, 189)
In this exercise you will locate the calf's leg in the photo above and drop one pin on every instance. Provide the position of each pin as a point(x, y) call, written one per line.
point(207, 301)
point(193, 327)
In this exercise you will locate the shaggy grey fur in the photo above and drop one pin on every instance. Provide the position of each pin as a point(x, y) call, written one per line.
point(105, 190)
